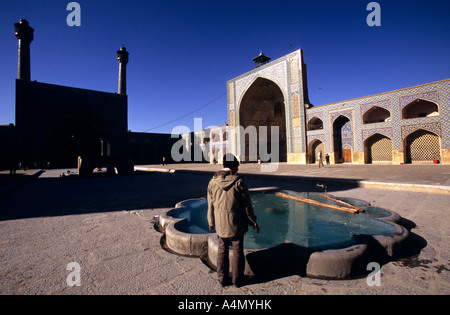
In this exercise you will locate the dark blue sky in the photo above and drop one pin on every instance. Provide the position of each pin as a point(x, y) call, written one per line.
point(182, 53)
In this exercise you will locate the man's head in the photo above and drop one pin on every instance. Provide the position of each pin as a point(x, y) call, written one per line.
point(230, 161)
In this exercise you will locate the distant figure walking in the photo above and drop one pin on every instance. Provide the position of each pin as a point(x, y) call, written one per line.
point(327, 159)
point(319, 157)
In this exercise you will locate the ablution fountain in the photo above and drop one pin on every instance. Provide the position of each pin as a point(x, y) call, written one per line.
point(309, 234)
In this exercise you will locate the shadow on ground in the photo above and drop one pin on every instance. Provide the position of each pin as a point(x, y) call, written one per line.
point(50, 195)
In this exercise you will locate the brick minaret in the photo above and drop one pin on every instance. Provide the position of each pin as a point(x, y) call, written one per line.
point(122, 57)
point(24, 33)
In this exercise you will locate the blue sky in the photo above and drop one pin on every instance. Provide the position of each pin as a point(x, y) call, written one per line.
point(183, 52)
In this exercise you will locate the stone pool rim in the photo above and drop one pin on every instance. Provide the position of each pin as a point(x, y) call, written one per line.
point(326, 264)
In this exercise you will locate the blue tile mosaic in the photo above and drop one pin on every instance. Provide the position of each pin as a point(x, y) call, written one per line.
point(286, 72)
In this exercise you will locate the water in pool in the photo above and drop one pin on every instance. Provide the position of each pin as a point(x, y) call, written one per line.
point(284, 220)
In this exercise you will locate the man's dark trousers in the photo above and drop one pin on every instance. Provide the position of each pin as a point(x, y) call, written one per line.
point(237, 261)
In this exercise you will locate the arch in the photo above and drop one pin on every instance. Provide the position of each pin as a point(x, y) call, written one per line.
point(314, 147)
point(378, 148)
point(225, 136)
point(251, 84)
point(263, 105)
point(315, 123)
point(215, 137)
point(342, 134)
point(376, 114)
point(73, 131)
point(422, 146)
point(420, 108)
point(76, 137)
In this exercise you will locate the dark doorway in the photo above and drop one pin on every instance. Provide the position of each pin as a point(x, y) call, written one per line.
point(341, 132)
point(263, 105)
point(75, 138)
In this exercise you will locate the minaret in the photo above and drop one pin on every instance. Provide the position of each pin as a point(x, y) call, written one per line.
point(122, 57)
point(24, 33)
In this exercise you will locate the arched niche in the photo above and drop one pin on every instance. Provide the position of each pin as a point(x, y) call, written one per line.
point(263, 105)
point(420, 108)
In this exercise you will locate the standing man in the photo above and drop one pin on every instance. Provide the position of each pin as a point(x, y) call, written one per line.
point(319, 157)
point(230, 212)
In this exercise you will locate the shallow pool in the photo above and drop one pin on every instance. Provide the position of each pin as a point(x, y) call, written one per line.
point(283, 220)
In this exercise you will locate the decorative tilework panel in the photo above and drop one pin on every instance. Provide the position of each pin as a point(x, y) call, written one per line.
point(434, 128)
point(293, 67)
point(386, 104)
point(295, 103)
point(231, 94)
point(347, 113)
point(297, 140)
point(382, 131)
point(276, 73)
point(428, 96)
point(320, 137)
point(310, 116)
point(231, 119)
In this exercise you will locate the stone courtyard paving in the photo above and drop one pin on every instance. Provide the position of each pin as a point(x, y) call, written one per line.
point(104, 224)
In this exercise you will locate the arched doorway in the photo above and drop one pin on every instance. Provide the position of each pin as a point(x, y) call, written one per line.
point(378, 148)
point(263, 105)
point(314, 147)
point(422, 146)
point(76, 137)
point(342, 136)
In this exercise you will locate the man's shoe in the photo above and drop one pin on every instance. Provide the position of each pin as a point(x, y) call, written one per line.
point(237, 284)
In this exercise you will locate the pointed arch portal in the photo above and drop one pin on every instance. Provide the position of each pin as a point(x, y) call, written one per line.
point(378, 148)
point(422, 146)
point(263, 105)
point(341, 132)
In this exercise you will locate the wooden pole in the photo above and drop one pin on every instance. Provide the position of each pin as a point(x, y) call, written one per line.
point(317, 203)
point(343, 203)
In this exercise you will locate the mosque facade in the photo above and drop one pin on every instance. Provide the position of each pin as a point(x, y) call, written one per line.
point(410, 125)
